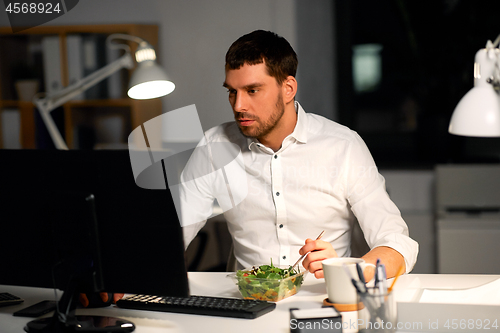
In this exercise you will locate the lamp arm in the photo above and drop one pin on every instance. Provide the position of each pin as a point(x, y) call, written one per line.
point(62, 96)
point(53, 131)
point(53, 100)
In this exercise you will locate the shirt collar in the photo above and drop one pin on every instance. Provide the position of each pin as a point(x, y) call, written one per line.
point(299, 133)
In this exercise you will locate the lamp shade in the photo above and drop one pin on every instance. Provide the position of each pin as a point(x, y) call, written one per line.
point(477, 114)
point(149, 81)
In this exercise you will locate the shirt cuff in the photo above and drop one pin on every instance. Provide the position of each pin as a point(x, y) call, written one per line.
point(403, 244)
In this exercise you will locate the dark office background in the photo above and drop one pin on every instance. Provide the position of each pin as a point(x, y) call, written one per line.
point(427, 51)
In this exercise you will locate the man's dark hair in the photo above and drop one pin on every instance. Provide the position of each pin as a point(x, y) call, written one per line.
point(263, 46)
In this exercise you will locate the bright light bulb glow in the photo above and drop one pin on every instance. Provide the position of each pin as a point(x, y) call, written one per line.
point(491, 118)
point(145, 54)
point(151, 89)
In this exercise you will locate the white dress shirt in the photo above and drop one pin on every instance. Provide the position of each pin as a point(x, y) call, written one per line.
point(322, 175)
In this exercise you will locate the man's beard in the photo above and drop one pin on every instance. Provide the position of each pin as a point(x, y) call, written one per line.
point(265, 128)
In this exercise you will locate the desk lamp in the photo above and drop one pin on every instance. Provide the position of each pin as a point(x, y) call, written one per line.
point(148, 81)
point(478, 112)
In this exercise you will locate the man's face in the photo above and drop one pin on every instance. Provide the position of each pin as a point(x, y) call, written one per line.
point(256, 99)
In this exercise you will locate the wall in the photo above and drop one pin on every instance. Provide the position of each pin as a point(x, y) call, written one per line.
point(316, 50)
point(194, 36)
point(413, 192)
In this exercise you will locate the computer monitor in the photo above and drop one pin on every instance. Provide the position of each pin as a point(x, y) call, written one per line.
point(87, 202)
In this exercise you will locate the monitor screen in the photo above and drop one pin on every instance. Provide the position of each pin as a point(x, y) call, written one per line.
point(140, 246)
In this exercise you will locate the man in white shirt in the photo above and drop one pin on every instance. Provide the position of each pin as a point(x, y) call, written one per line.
point(304, 173)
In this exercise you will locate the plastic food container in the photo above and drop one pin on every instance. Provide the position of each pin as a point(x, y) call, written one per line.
point(266, 289)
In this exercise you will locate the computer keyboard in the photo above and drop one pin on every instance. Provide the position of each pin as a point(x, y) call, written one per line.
point(9, 299)
point(200, 305)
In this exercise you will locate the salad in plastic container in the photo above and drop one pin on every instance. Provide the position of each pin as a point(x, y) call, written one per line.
point(269, 282)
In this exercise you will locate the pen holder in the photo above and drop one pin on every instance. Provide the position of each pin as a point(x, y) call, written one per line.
point(377, 311)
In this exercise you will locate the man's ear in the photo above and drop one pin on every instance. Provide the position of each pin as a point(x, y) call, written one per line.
point(289, 89)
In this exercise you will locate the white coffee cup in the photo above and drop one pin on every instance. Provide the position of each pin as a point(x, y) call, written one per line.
point(339, 286)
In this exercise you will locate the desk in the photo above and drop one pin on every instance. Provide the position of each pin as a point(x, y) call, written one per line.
point(216, 284)
point(442, 317)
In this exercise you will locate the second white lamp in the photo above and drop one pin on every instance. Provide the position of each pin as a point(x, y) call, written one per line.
point(478, 112)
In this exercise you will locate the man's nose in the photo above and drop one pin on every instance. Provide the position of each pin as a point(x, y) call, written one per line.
point(240, 103)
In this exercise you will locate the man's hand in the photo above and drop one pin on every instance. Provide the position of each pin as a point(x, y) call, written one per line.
point(319, 251)
point(391, 258)
point(104, 297)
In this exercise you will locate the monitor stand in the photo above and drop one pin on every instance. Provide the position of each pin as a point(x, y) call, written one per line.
point(70, 322)
point(80, 323)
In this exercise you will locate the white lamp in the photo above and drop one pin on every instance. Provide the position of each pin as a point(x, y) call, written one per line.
point(478, 112)
point(149, 80)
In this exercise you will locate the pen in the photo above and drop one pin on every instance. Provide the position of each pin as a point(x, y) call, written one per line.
point(377, 276)
point(369, 303)
point(302, 257)
point(382, 286)
point(363, 293)
point(360, 287)
point(360, 274)
point(382, 279)
point(400, 271)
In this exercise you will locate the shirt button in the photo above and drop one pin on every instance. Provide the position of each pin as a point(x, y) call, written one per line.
point(278, 194)
point(281, 225)
point(275, 156)
point(284, 257)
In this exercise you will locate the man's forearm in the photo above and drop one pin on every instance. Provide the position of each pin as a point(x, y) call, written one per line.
point(391, 258)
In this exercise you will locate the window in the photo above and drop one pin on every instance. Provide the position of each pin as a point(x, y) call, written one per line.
point(402, 68)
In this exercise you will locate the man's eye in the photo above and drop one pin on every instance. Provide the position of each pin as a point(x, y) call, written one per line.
point(231, 91)
point(252, 91)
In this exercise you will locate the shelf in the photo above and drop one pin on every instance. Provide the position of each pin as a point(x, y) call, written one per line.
point(9, 104)
point(101, 102)
point(18, 48)
point(77, 103)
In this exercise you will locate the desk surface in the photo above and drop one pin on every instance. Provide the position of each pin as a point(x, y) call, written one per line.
point(216, 284)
